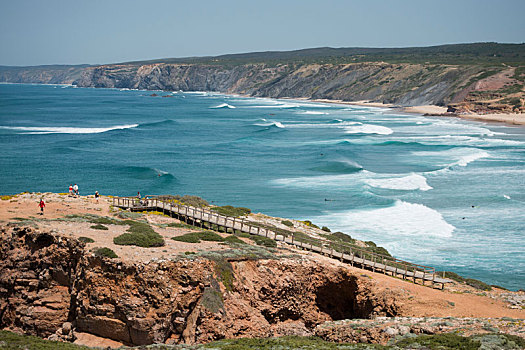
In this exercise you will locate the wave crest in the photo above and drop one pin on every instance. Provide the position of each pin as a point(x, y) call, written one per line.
point(66, 129)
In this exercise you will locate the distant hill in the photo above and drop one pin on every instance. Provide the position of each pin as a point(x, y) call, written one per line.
point(479, 77)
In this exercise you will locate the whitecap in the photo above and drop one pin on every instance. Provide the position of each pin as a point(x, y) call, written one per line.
point(506, 196)
point(369, 129)
point(410, 182)
point(401, 219)
point(66, 130)
point(271, 123)
point(313, 113)
point(224, 105)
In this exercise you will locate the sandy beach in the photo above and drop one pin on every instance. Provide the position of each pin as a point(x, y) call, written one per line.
point(438, 111)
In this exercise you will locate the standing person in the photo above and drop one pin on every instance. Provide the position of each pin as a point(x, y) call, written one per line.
point(70, 190)
point(75, 188)
point(42, 204)
point(96, 196)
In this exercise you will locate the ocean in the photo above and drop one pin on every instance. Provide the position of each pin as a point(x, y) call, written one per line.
point(436, 191)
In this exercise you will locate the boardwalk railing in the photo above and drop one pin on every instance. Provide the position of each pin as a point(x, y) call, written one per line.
point(344, 252)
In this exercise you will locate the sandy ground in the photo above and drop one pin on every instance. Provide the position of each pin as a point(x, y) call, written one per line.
point(456, 300)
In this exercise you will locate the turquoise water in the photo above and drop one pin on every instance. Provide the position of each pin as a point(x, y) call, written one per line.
point(437, 191)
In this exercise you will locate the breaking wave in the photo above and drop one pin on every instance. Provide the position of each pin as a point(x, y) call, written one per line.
point(66, 129)
point(407, 183)
point(223, 105)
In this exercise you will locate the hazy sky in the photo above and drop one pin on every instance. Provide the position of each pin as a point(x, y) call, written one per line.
point(92, 31)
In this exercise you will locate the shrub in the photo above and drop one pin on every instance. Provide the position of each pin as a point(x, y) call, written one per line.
point(264, 241)
point(478, 284)
point(98, 227)
point(86, 239)
point(105, 252)
point(14, 341)
point(439, 341)
point(340, 236)
point(309, 224)
point(224, 271)
point(287, 223)
point(139, 234)
point(325, 229)
point(180, 225)
point(196, 237)
point(228, 210)
point(233, 240)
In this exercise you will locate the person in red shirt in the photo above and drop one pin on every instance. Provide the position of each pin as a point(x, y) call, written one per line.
point(70, 190)
point(42, 204)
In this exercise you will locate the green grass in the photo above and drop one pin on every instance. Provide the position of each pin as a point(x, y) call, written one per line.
point(86, 239)
point(12, 341)
point(105, 252)
point(197, 237)
point(139, 234)
point(98, 227)
point(224, 271)
point(231, 211)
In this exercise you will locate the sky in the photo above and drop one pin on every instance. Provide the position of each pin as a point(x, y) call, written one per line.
point(37, 32)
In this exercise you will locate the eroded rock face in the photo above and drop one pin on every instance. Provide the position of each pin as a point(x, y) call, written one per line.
point(37, 272)
point(47, 281)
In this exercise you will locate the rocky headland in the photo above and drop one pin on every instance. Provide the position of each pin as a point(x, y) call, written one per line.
point(57, 281)
point(479, 81)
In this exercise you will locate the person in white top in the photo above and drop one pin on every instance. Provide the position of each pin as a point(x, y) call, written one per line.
point(75, 188)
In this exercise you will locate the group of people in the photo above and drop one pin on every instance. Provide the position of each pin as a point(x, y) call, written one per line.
point(73, 190)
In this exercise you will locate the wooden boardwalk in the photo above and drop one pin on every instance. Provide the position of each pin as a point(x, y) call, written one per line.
point(337, 250)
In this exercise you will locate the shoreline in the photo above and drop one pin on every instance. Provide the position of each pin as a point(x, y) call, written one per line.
point(425, 110)
point(435, 111)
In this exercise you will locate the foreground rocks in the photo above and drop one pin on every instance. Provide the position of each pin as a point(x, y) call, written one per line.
point(51, 287)
point(384, 330)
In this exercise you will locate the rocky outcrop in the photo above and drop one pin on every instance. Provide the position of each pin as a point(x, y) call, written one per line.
point(384, 329)
point(401, 84)
point(51, 287)
point(41, 74)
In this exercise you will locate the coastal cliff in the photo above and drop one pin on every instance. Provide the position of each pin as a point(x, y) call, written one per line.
point(47, 281)
point(400, 84)
point(469, 78)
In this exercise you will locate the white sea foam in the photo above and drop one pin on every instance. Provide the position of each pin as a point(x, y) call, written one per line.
point(224, 105)
point(313, 113)
point(459, 156)
point(506, 196)
point(368, 129)
point(401, 219)
point(410, 182)
point(270, 123)
point(466, 159)
point(66, 130)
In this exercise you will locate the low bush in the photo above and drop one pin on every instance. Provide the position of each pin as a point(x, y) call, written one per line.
point(310, 224)
point(98, 227)
point(196, 237)
point(13, 341)
point(86, 239)
point(233, 240)
point(325, 229)
point(229, 210)
point(264, 241)
point(139, 234)
point(180, 225)
point(439, 341)
point(287, 223)
point(105, 252)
